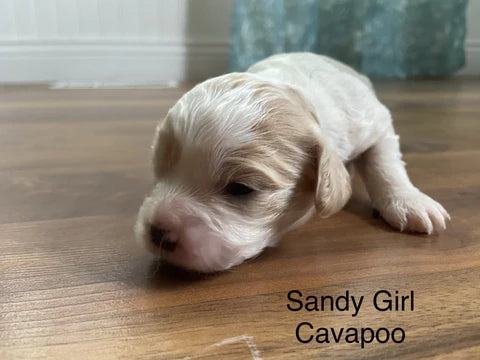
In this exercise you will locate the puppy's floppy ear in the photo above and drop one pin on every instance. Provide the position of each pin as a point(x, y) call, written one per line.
point(333, 188)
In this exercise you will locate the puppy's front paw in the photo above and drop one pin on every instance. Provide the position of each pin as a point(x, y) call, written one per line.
point(413, 211)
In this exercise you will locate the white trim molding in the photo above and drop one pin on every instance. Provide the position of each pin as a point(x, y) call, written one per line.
point(472, 58)
point(111, 63)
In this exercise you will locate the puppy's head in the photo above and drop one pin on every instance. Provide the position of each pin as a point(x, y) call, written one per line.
point(238, 162)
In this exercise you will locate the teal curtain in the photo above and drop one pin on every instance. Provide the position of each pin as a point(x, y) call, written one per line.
point(380, 38)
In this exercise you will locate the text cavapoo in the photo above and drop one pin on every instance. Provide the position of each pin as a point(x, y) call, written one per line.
point(245, 157)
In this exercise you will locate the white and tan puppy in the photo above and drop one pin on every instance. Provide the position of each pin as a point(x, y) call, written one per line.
point(242, 158)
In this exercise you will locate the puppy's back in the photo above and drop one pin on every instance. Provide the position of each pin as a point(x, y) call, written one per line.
point(345, 103)
point(287, 66)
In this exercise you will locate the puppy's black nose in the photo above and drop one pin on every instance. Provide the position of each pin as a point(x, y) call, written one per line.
point(160, 238)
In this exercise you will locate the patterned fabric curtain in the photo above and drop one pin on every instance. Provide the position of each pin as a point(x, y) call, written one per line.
point(380, 38)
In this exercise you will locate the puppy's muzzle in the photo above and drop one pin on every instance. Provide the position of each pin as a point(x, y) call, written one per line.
point(162, 238)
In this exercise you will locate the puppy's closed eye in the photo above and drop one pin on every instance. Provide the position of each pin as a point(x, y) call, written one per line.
point(238, 189)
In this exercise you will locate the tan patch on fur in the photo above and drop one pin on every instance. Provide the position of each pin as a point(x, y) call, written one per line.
point(282, 144)
point(293, 153)
point(167, 151)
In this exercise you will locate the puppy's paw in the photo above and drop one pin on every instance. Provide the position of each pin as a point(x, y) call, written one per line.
point(414, 211)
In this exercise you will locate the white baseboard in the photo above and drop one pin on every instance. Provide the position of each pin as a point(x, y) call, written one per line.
point(110, 63)
point(472, 61)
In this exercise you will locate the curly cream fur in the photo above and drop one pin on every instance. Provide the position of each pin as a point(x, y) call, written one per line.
point(286, 128)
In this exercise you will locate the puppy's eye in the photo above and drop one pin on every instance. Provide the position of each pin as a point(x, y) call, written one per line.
point(238, 189)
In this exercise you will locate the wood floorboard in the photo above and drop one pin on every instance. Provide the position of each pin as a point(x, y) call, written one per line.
point(74, 168)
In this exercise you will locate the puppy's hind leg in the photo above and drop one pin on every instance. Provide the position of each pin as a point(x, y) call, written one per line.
point(399, 202)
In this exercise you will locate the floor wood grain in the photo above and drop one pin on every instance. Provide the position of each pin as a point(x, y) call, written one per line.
point(74, 167)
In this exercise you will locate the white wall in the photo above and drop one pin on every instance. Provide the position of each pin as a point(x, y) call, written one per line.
point(472, 42)
point(113, 41)
point(121, 42)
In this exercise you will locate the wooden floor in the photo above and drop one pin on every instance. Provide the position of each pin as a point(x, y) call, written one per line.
point(74, 167)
